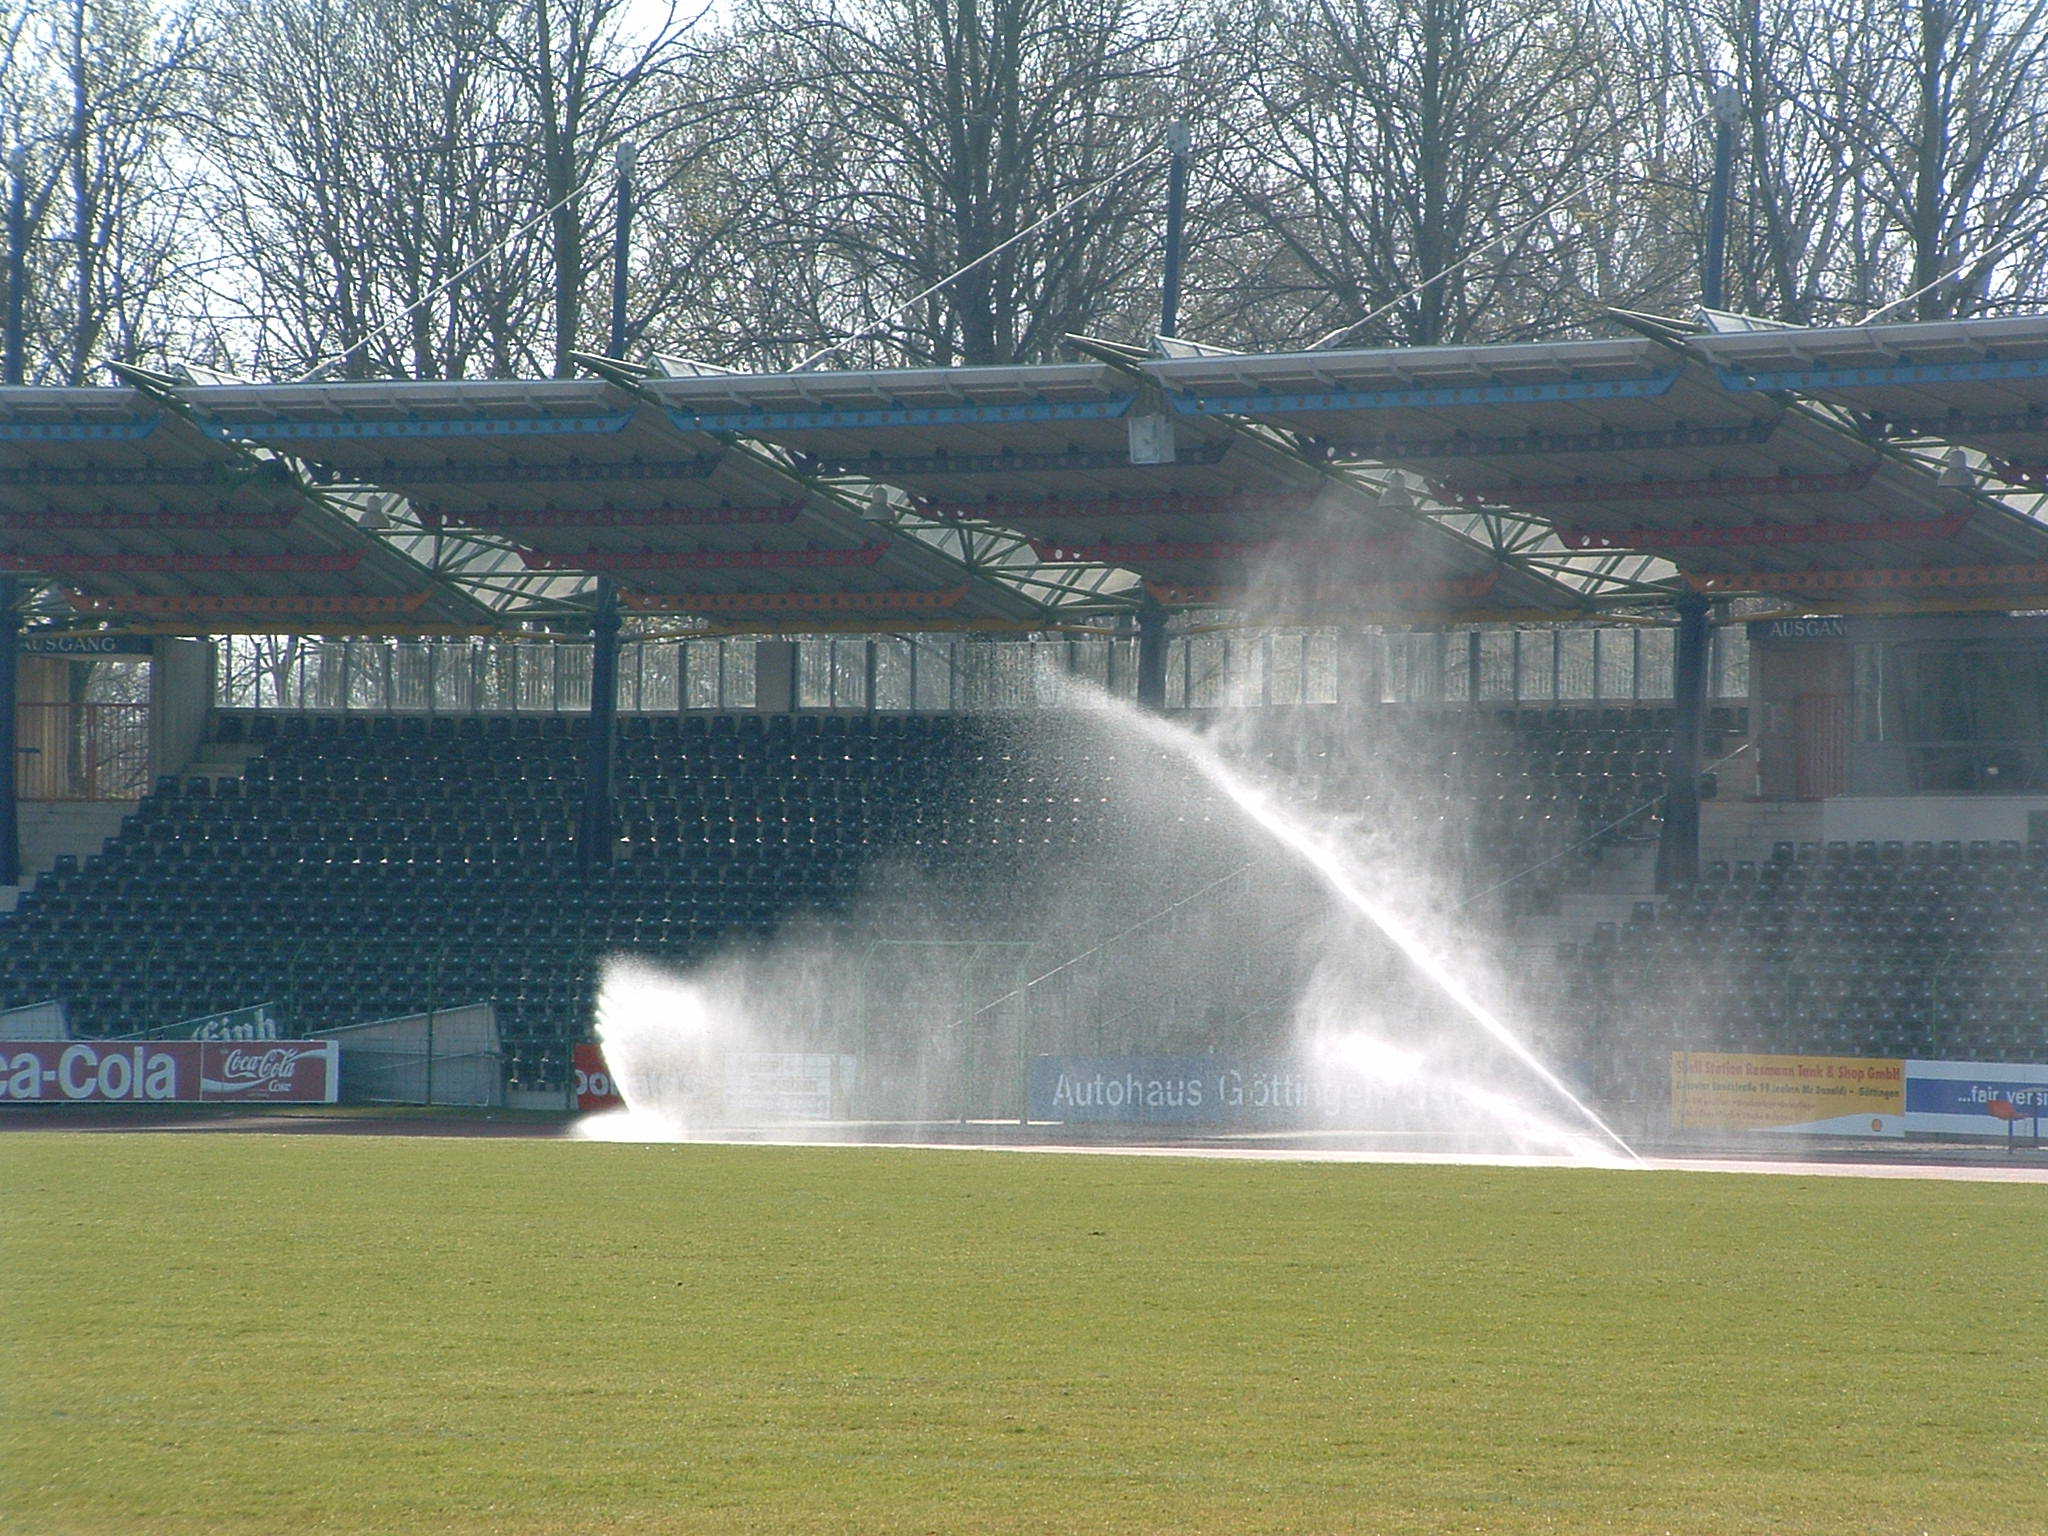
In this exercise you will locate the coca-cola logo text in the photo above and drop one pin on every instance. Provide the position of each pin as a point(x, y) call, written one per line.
point(246, 1071)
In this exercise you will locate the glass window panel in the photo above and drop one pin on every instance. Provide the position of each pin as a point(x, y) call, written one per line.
point(892, 673)
point(739, 660)
point(813, 671)
point(1575, 665)
point(935, 676)
point(1497, 664)
point(850, 671)
point(1617, 664)
point(1731, 642)
point(1539, 665)
point(572, 691)
point(1659, 648)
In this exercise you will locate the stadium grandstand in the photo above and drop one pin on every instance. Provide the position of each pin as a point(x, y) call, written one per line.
point(1717, 649)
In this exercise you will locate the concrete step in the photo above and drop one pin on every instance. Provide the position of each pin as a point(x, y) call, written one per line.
point(1745, 829)
point(1604, 892)
point(49, 828)
point(1630, 868)
point(219, 760)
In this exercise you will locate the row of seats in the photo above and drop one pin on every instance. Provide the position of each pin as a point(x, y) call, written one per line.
point(363, 867)
point(1927, 950)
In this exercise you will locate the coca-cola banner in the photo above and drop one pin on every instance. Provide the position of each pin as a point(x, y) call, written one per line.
point(169, 1072)
point(270, 1071)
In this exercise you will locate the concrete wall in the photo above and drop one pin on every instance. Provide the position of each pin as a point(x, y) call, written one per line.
point(1735, 829)
point(77, 827)
point(1928, 818)
point(180, 702)
point(775, 677)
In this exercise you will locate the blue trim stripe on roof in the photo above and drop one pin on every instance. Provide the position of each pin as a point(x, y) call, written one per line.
point(78, 431)
point(900, 416)
point(1395, 399)
point(1898, 373)
point(284, 429)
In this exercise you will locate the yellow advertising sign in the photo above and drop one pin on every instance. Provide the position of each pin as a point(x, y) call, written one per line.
point(1713, 1091)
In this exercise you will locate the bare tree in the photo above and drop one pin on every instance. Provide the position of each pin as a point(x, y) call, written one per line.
point(374, 168)
point(1941, 109)
point(1884, 143)
point(96, 93)
point(588, 77)
point(937, 133)
point(1379, 143)
point(724, 272)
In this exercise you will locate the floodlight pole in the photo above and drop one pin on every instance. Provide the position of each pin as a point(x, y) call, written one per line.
point(595, 832)
point(1714, 259)
point(10, 649)
point(1179, 141)
point(622, 246)
point(13, 362)
point(1678, 844)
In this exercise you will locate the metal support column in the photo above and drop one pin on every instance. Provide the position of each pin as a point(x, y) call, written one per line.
point(10, 647)
point(1178, 143)
point(595, 834)
point(622, 246)
point(1678, 847)
point(1151, 656)
point(1714, 259)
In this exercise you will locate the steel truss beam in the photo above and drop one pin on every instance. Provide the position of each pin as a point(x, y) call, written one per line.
point(1168, 549)
point(155, 519)
point(1579, 492)
point(127, 431)
point(1263, 404)
point(628, 517)
point(144, 564)
point(286, 432)
point(466, 472)
point(1753, 535)
point(1601, 440)
point(1823, 377)
point(888, 466)
point(832, 418)
point(704, 559)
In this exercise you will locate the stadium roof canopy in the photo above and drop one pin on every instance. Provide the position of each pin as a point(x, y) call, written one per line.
point(584, 476)
point(1639, 445)
point(136, 510)
point(1979, 384)
point(1897, 465)
point(1094, 466)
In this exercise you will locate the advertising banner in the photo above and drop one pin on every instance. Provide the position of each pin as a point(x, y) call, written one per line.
point(1955, 1097)
point(1842, 1095)
point(257, 1023)
point(168, 1072)
point(787, 1085)
point(36, 1021)
point(594, 1089)
point(736, 1087)
point(1270, 1091)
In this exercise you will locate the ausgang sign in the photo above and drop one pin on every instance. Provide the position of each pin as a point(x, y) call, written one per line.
point(1826, 627)
point(85, 645)
point(169, 1072)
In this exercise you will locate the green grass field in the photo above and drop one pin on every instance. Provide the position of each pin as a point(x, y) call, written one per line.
point(282, 1334)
